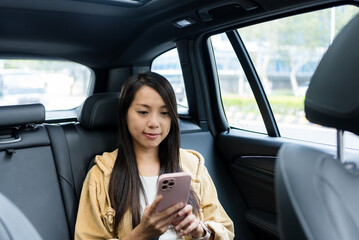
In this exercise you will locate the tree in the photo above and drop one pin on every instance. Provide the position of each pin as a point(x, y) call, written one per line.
point(298, 40)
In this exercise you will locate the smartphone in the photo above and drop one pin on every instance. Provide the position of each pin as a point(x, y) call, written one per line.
point(174, 187)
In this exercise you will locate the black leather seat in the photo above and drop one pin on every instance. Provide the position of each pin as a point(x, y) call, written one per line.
point(28, 175)
point(317, 195)
point(76, 144)
point(13, 223)
point(95, 133)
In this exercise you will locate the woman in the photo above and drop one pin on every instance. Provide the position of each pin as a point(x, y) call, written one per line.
point(118, 196)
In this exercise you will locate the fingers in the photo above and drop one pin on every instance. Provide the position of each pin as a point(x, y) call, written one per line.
point(163, 218)
point(189, 229)
point(170, 214)
point(186, 210)
point(154, 204)
point(155, 223)
point(171, 210)
point(184, 224)
point(188, 217)
point(189, 224)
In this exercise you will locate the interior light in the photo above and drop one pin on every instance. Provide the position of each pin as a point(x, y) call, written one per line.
point(185, 22)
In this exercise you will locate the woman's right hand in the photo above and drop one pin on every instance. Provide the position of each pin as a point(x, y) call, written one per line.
point(153, 223)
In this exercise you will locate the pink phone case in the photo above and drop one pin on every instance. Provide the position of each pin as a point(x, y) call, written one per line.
point(174, 187)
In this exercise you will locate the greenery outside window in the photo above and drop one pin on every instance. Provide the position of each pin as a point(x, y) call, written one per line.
point(285, 53)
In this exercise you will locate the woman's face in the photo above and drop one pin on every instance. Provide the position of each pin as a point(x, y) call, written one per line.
point(148, 120)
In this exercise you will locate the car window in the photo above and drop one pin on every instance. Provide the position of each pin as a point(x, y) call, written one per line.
point(168, 65)
point(58, 85)
point(285, 53)
point(238, 100)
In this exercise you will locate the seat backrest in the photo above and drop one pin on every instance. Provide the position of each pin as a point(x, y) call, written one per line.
point(96, 131)
point(28, 174)
point(317, 197)
point(76, 144)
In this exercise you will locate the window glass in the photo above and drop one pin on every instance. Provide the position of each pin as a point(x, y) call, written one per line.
point(285, 53)
point(168, 65)
point(59, 85)
point(238, 101)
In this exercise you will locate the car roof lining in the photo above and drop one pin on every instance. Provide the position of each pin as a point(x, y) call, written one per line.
point(108, 36)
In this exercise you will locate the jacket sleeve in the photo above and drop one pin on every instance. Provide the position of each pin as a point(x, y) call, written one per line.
point(89, 224)
point(214, 216)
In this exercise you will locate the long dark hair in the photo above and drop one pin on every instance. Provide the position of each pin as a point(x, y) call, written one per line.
point(125, 183)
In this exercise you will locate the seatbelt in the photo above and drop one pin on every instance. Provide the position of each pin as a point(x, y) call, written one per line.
point(64, 171)
point(74, 147)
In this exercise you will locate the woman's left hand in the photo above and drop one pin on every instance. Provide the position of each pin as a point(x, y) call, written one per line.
point(189, 224)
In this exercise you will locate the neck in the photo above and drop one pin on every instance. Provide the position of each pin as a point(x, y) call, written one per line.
point(148, 163)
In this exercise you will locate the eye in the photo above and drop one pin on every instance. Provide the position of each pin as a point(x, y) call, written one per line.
point(164, 113)
point(142, 112)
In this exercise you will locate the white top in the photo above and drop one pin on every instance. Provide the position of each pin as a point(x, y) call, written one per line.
point(150, 187)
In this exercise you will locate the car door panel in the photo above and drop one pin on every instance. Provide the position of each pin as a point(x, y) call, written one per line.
point(251, 159)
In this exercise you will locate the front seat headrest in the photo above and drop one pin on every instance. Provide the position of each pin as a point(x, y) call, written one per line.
point(332, 98)
point(100, 111)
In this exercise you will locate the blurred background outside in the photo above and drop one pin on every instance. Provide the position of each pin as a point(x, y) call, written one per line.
point(59, 85)
point(285, 54)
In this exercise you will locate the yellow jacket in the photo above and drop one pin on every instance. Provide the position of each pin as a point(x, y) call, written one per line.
point(96, 216)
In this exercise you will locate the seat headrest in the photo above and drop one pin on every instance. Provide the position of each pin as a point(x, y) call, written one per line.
point(332, 98)
point(18, 115)
point(100, 111)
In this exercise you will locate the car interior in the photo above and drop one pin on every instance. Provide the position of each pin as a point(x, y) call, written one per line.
point(244, 103)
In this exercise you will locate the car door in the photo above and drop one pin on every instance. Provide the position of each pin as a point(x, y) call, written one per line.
point(254, 79)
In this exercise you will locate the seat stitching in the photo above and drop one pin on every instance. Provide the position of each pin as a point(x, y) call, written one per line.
point(63, 178)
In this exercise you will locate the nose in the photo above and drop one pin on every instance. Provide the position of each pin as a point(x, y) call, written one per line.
point(153, 121)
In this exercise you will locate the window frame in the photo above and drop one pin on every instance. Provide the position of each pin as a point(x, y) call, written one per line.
point(249, 68)
point(254, 82)
point(183, 112)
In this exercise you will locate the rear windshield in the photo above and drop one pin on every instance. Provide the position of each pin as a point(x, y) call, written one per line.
point(58, 85)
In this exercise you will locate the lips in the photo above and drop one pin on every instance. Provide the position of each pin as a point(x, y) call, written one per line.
point(151, 135)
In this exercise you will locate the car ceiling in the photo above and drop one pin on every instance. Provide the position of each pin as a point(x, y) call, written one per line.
point(102, 35)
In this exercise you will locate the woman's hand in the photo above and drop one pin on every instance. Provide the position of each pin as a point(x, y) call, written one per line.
point(154, 224)
point(189, 224)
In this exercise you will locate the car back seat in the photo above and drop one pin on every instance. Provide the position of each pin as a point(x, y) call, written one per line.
point(28, 174)
point(76, 144)
point(97, 132)
point(43, 166)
